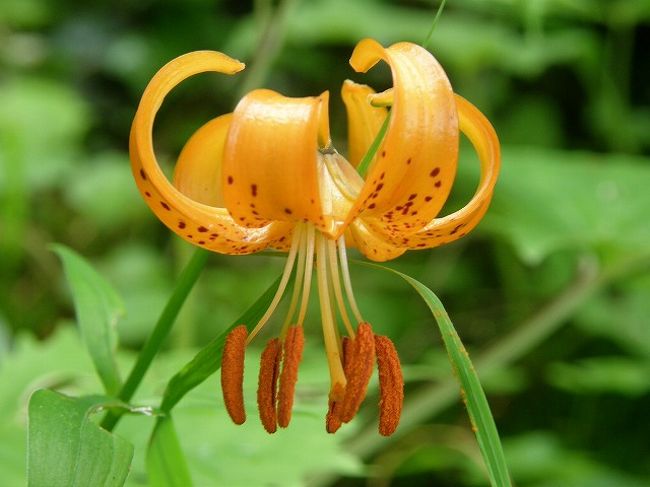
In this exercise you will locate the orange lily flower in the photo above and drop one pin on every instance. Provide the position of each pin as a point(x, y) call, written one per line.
point(267, 176)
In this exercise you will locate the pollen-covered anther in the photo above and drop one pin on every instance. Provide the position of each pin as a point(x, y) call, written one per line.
point(333, 419)
point(293, 346)
point(267, 384)
point(391, 385)
point(232, 373)
point(361, 359)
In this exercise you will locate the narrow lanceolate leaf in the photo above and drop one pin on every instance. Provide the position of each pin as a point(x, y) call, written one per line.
point(208, 360)
point(166, 464)
point(66, 448)
point(472, 392)
point(98, 308)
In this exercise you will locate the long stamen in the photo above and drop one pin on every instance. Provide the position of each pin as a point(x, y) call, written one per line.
point(329, 328)
point(343, 258)
point(309, 266)
point(286, 274)
point(297, 284)
point(336, 284)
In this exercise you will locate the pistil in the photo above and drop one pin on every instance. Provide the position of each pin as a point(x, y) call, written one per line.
point(337, 376)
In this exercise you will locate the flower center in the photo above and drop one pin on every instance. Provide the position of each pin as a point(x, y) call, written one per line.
point(350, 358)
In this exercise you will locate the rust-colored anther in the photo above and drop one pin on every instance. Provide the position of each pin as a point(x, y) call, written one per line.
point(232, 373)
point(332, 420)
point(346, 343)
point(361, 363)
point(294, 343)
point(267, 384)
point(391, 385)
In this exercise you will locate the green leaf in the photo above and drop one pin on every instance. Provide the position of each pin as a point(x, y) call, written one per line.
point(596, 375)
point(98, 308)
point(547, 201)
point(472, 392)
point(67, 448)
point(208, 360)
point(166, 463)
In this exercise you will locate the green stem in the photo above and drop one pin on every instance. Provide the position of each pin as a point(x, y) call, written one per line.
point(363, 167)
point(433, 24)
point(269, 44)
point(184, 285)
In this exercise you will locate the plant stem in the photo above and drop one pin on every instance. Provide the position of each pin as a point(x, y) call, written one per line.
point(184, 285)
point(269, 44)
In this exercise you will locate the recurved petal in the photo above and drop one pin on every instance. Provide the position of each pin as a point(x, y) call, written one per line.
point(198, 170)
point(416, 166)
point(455, 225)
point(196, 222)
point(372, 243)
point(270, 167)
point(364, 120)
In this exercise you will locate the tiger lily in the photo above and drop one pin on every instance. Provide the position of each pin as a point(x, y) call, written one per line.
point(268, 177)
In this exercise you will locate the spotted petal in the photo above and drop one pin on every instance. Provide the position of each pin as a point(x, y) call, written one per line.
point(443, 230)
point(207, 226)
point(412, 177)
point(270, 169)
point(481, 134)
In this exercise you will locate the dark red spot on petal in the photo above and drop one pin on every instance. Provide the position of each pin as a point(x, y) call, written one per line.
point(412, 197)
point(143, 175)
point(147, 194)
point(435, 172)
point(230, 180)
point(181, 225)
point(254, 189)
point(437, 184)
point(164, 205)
point(428, 198)
point(202, 229)
point(288, 211)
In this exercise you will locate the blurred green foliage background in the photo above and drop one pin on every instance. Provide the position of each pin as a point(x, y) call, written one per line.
point(551, 293)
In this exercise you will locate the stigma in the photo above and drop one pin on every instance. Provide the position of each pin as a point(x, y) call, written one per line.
point(352, 349)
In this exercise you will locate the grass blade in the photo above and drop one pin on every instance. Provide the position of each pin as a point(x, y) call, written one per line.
point(472, 392)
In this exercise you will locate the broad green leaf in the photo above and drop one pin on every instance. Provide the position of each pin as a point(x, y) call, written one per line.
point(539, 458)
point(65, 448)
point(462, 40)
point(472, 392)
point(621, 317)
point(98, 308)
point(102, 192)
point(596, 375)
point(551, 200)
point(166, 463)
point(208, 360)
